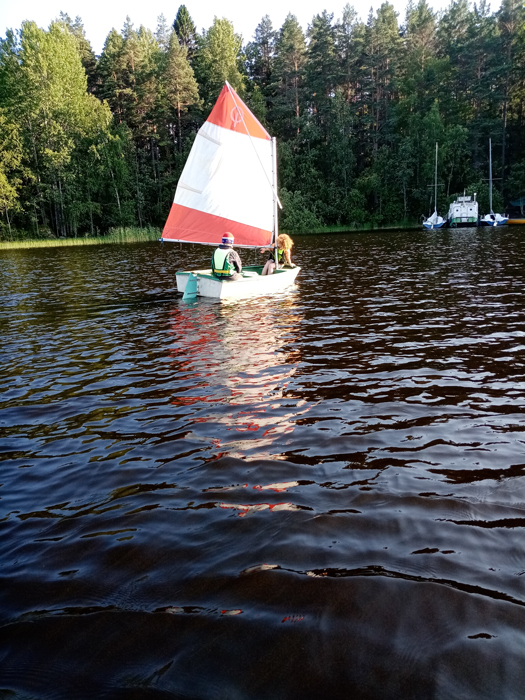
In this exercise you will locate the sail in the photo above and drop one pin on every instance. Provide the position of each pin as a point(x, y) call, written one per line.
point(226, 184)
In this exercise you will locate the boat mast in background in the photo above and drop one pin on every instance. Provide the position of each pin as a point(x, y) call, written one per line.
point(490, 175)
point(492, 219)
point(435, 221)
point(436, 182)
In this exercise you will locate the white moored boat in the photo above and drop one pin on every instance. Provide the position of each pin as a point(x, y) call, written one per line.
point(435, 221)
point(492, 219)
point(463, 212)
point(229, 184)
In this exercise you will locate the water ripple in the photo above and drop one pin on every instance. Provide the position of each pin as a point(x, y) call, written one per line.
point(317, 494)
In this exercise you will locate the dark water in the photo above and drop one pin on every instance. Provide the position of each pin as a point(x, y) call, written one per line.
point(319, 494)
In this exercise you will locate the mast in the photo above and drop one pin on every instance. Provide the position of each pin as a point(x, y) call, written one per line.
point(436, 182)
point(275, 199)
point(490, 174)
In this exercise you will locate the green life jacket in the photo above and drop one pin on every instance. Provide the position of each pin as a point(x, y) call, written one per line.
point(280, 255)
point(220, 265)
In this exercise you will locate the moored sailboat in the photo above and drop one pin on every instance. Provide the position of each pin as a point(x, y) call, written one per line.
point(435, 221)
point(492, 219)
point(229, 184)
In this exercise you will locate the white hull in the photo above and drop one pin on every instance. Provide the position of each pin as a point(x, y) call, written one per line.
point(493, 220)
point(254, 285)
point(463, 212)
point(434, 222)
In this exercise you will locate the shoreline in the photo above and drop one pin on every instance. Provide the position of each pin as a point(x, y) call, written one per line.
point(359, 229)
point(145, 235)
point(123, 235)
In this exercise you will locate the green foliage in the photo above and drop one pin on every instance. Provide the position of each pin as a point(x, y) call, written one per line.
point(322, 65)
point(86, 53)
point(10, 160)
point(217, 59)
point(88, 145)
point(180, 86)
point(162, 33)
point(516, 181)
point(185, 31)
point(289, 70)
point(298, 213)
point(260, 54)
point(44, 92)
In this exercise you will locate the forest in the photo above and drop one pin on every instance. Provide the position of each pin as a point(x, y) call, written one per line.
point(92, 143)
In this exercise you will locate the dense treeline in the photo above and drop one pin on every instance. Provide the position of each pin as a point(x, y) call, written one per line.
point(89, 143)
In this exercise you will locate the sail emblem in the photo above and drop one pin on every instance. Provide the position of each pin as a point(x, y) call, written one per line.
point(236, 115)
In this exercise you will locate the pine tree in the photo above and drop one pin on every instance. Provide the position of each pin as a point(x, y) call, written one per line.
point(511, 19)
point(321, 66)
point(349, 36)
point(517, 108)
point(218, 60)
point(110, 69)
point(453, 43)
point(289, 71)
point(185, 31)
point(162, 33)
point(420, 36)
point(180, 84)
point(260, 54)
point(381, 46)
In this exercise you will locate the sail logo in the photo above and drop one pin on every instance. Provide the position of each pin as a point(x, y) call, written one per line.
point(236, 116)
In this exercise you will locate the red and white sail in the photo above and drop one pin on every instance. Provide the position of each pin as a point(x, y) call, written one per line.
point(228, 182)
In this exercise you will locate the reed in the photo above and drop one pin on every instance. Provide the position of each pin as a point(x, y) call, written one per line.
point(115, 235)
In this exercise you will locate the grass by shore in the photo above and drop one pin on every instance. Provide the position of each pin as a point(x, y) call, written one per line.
point(140, 235)
point(116, 235)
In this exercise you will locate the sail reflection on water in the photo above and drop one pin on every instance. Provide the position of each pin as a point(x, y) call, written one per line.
point(241, 359)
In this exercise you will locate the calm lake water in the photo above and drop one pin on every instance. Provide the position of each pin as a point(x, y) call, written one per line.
point(319, 494)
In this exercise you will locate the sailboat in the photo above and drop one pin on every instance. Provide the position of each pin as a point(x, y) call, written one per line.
point(229, 184)
point(435, 221)
point(492, 219)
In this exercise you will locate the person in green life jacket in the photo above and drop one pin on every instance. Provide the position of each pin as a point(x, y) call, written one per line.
point(284, 254)
point(225, 262)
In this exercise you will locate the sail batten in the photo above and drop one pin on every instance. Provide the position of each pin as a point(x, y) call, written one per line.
point(187, 187)
point(226, 184)
point(204, 135)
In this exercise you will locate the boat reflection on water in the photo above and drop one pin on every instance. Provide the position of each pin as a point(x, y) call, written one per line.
point(233, 364)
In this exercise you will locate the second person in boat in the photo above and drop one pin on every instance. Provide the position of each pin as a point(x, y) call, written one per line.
point(225, 262)
point(284, 254)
